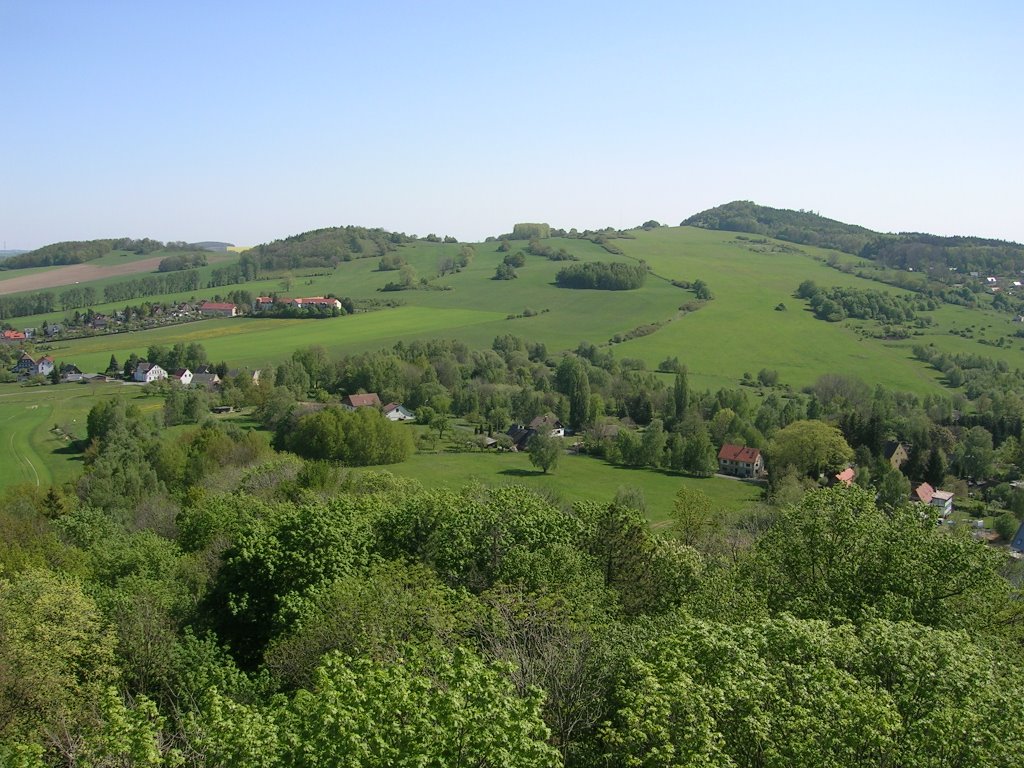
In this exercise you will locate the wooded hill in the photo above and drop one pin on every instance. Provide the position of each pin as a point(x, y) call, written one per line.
point(905, 250)
point(79, 251)
point(326, 247)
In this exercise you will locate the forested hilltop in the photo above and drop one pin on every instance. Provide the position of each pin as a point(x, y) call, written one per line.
point(906, 250)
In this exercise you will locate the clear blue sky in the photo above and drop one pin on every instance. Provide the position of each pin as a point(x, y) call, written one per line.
point(252, 121)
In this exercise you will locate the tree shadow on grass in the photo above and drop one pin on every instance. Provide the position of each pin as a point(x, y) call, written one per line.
point(521, 472)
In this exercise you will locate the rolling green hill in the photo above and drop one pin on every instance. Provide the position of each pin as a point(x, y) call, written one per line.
point(741, 330)
point(905, 250)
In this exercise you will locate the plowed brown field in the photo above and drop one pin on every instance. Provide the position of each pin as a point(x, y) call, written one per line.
point(75, 273)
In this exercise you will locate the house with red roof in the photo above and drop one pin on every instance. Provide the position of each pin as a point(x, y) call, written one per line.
point(367, 400)
point(13, 336)
point(740, 461)
point(941, 500)
point(218, 309)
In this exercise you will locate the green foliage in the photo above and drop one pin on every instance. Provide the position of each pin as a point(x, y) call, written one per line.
point(834, 304)
point(355, 438)
point(56, 657)
point(803, 227)
point(368, 615)
point(786, 692)
point(545, 451)
point(837, 556)
point(808, 447)
point(505, 272)
point(277, 562)
point(181, 261)
point(530, 231)
point(603, 276)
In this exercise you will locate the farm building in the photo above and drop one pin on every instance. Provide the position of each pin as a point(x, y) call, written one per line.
point(218, 309)
point(368, 400)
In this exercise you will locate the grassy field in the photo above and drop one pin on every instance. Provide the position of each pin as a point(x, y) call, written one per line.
point(31, 451)
point(575, 477)
point(739, 331)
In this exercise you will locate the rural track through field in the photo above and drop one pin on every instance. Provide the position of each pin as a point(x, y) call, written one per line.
point(19, 457)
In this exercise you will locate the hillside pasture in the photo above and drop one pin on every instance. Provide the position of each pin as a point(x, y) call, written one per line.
point(739, 331)
point(31, 451)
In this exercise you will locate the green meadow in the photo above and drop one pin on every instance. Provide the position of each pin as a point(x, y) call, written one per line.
point(575, 477)
point(739, 331)
point(31, 451)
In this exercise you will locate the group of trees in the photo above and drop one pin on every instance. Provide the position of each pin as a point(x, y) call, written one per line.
point(179, 261)
point(838, 303)
point(151, 285)
point(354, 438)
point(325, 248)
point(25, 304)
point(509, 264)
point(249, 608)
point(605, 276)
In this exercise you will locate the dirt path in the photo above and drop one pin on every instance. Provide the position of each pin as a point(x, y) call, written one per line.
point(75, 273)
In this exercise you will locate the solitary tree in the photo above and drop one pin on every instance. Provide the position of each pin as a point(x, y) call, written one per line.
point(544, 451)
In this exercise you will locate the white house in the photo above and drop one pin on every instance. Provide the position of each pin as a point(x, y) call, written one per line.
point(147, 372)
point(941, 500)
point(183, 376)
point(398, 412)
point(44, 366)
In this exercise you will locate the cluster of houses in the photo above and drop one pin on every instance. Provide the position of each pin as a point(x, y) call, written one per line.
point(204, 376)
point(27, 366)
point(745, 462)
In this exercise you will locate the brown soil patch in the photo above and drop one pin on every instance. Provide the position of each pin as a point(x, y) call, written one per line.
point(75, 273)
